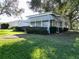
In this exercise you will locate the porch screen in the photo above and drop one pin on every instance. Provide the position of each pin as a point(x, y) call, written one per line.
point(32, 24)
point(38, 23)
point(54, 23)
point(45, 23)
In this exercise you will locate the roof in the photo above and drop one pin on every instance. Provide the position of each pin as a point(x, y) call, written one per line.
point(43, 14)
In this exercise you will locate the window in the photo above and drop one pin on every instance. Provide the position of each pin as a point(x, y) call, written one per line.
point(45, 23)
point(38, 23)
point(66, 24)
point(60, 24)
point(54, 23)
point(32, 24)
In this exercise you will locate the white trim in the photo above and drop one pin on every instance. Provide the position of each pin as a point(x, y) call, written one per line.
point(48, 27)
point(35, 23)
point(41, 23)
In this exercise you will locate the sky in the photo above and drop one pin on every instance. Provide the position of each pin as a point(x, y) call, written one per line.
point(22, 4)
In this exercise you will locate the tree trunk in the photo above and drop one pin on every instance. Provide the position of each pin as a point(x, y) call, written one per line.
point(71, 27)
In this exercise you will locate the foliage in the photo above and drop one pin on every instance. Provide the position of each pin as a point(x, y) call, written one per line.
point(37, 30)
point(4, 26)
point(43, 30)
point(10, 7)
point(18, 28)
point(35, 4)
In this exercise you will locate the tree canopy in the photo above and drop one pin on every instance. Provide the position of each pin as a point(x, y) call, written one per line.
point(35, 4)
point(10, 7)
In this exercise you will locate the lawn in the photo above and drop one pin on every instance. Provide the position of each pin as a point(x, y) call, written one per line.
point(9, 32)
point(32, 46)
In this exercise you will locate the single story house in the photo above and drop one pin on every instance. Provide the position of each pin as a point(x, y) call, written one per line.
point(18, 23)
point(15, 23)
point(47, 22)
point(43, 23)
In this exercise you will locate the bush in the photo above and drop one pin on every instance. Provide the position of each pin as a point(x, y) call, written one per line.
point(18, 29)
point(4, 26)
point(60, 30)
point(65, 29)
point(43, 30)
point(53, 29)
point(37, 30)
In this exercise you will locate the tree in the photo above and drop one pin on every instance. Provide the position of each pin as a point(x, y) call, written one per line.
point(35, 4)
point(69, 8)
point(10, 7)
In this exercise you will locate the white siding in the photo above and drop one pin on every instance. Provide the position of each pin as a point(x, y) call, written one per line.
point(45, 24)
point(40, 21)
point(41, 18)
point(40, 24)
point(18, 23)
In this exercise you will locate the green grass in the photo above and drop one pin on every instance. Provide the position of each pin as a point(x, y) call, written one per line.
point(8, 32)
point(31, 46)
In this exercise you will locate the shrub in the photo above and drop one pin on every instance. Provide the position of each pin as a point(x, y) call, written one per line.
point(60, 30)
point(37, 30)
point(4, 26)
point(53, 29)
point(18, 29)
point(65, 29)
point(43, 30)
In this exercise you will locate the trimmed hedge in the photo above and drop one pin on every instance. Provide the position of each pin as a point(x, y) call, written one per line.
point(43, 30)
point(40, 30)
point(65, 29)
point(60, 30)
point(4, 26)
point(18, 29)
point(37, 30)
point(53, 29)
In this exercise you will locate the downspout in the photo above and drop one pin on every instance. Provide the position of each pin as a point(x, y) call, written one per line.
point(57, 27)
point(48, 28)
point(41, 23)
point(35, 23)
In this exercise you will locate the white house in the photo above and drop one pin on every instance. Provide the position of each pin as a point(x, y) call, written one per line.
point(18, 23)
point(50, 21)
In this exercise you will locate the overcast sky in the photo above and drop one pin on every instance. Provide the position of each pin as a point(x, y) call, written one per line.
point(22, 4)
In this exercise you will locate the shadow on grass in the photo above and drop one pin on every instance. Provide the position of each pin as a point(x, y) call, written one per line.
point(58, 46)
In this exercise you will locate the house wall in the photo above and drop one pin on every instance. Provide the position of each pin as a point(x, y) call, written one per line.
point(13, 24)
point(49, 23)
point(40, 23)
point(58, 25)
point(18, 23)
